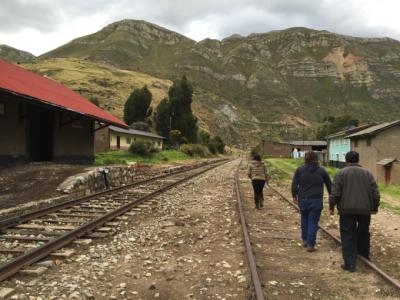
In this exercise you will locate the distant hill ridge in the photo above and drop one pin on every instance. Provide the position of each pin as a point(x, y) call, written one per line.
point(280, 83)
point(14, 55)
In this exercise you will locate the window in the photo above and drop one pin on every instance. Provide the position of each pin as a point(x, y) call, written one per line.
point(2, 109)
point(368, 141)
point(128, 140)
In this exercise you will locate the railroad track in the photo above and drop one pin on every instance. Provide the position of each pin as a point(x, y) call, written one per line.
point(282, 269)
point(32, 236)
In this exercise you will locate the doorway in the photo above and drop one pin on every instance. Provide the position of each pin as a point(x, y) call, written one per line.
point(118, 142)
point(388, 174)
point(40, 133)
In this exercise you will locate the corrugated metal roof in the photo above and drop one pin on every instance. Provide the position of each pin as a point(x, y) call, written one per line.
point(307, 143)
point(350, 131)
point(386, 161)
point(374, 129)
point(25, 83)
point(136, 132)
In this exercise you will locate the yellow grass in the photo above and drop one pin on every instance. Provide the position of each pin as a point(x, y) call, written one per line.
point(111, 86)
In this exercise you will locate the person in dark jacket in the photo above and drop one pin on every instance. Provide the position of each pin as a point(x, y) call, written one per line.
point(307, 191)
point(259, 175)
point(356, 196)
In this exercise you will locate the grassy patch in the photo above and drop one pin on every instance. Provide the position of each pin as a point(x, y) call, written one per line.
point(123, 157)
point(391, 190)
point(391, 207)
point(390, 197)
point(283, 168)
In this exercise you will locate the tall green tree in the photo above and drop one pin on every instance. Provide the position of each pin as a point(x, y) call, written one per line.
point(162, 118)
point(137, 106)
point(182, 118)
point(175, 113)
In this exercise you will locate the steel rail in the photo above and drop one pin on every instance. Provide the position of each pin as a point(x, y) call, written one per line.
point(12, 221)
point(10, 268)
point(249, 250)
point(367, 262)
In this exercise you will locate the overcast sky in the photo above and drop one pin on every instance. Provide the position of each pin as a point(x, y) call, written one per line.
point(38, 26)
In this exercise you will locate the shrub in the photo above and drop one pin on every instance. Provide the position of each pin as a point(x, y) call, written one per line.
point(255, 150)
point(142, 148)
point(194, 149)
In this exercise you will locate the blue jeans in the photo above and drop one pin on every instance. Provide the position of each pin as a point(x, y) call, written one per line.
point(310, 210)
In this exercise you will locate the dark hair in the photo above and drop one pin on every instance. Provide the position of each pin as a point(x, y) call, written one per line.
point(257, 157)
point(311, 157)
point(352, 157)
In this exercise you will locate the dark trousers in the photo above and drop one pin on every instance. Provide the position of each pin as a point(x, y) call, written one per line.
point(310, 210)
point(354, 233)
point(258, 186)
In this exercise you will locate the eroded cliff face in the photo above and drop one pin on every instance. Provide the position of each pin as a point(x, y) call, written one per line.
point(338, 65)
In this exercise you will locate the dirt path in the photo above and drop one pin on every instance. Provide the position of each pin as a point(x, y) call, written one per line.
point(187, 245)
point(33, 182)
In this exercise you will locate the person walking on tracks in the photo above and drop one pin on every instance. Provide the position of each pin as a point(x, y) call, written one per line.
point(356, 196)
point(307, 191)
point(259, 175)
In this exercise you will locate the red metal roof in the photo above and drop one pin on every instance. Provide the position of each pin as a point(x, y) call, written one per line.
point(26, 83)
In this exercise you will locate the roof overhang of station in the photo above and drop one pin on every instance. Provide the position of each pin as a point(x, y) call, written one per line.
point(34, 87)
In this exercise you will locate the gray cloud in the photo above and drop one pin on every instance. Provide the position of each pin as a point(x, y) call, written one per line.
point(222, 17)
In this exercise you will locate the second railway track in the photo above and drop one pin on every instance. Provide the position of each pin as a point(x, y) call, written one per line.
point(32, 236)
point(283, 269)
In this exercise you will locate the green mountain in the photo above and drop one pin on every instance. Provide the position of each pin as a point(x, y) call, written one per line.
point(281, 83)
point(14, 55)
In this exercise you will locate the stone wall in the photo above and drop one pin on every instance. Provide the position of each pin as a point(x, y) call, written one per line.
point(93, 181)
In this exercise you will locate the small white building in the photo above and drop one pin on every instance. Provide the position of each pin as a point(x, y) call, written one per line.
point(115, 138)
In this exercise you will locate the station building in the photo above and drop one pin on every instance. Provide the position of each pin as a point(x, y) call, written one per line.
point(116, 138)
point(42, 120)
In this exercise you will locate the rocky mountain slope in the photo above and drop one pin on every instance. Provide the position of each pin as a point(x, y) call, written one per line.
point(14, 55)
point(263, 83)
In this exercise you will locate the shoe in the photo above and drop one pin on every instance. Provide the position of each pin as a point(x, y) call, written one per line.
point(347, 268)
point(311, 249)
point(304, 244)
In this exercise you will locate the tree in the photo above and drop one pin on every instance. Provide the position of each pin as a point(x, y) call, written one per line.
point(182, 118)
point(332, 125)
point(162, 118)
point(175, 113)
point(176, 137)
point(143, 126)
point(137, 106)
point(216, 145)
point(204, 137)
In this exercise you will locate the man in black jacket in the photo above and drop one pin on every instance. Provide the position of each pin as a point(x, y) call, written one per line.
point(356, 196)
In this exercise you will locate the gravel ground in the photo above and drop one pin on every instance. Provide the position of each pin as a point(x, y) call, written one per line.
point(186, 245)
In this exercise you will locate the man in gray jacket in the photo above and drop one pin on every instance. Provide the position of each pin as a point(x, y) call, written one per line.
point(356, 196)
